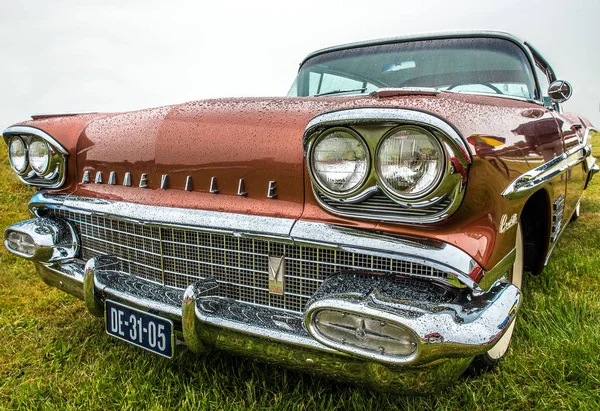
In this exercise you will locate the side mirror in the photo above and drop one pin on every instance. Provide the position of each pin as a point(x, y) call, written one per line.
point(560, 91)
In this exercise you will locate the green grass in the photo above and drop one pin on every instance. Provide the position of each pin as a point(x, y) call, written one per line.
point(54, 355)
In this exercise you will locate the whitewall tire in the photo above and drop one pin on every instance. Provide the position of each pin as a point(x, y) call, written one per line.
point(494, 355)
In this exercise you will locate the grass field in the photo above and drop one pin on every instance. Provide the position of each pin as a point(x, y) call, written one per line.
point(54, 355)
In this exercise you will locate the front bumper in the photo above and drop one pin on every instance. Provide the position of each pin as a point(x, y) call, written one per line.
point(207, 322)
point(451, 325)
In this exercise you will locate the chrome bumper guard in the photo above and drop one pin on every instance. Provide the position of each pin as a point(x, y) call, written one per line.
point(593, 170)
point(449, 326)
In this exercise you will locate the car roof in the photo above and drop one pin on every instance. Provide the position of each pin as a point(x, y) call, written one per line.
point(421, 36)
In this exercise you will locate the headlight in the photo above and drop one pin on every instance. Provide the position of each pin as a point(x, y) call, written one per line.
point(17, 154)
point(340, 161)
point(410, 162)
point(39, 156)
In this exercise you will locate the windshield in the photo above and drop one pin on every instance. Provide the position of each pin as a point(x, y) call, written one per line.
point(481, 65)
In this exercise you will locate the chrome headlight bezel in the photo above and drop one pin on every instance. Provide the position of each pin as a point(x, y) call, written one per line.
point(440, 172)
point(312, 168)
point(16, 169)
point(373, 200)
point(55, 172)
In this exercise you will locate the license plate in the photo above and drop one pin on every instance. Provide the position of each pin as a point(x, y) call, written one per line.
point(147, 331)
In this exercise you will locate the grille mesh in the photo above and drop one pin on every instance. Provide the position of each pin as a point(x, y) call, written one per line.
point(381, 207)
point(178, 257)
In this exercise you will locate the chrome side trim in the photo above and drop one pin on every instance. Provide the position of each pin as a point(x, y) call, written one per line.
point(532, 180)
point(441, 256)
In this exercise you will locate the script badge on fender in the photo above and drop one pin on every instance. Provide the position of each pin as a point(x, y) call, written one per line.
point(506, 223)
point(276, 274)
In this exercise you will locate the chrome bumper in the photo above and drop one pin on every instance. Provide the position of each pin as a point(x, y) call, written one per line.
point(450, 325)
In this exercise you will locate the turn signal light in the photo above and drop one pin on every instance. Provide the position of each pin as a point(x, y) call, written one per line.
point(21, 243)
point(351, 330)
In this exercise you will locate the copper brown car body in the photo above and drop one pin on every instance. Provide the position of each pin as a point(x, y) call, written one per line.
point(248, 157)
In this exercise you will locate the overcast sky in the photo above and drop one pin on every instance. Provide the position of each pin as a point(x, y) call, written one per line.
point(123, 55)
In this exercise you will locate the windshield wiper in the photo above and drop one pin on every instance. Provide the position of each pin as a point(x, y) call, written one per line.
point(340, 92)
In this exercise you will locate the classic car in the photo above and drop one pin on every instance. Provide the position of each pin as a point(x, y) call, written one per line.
point(373, 226)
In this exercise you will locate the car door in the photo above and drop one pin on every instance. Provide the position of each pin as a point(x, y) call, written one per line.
point(573, 176)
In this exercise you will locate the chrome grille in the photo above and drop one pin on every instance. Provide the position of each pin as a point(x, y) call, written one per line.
point(177, 257)
point(382, 207)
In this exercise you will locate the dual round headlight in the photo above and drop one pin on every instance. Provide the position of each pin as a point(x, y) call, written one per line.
point(17, 154)
point(36, 154)
point(409, 162)
point(39, 156)
point(340, 161)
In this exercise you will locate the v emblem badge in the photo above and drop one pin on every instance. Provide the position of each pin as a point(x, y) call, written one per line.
point(276, 274)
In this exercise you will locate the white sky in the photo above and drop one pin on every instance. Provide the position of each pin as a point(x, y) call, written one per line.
point(117, 55)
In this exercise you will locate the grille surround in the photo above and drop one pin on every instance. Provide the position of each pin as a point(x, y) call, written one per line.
point(381, 207)
point(177, 257)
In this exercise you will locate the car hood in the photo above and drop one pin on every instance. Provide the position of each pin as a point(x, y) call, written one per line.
point(242, 146)
point(246, 145)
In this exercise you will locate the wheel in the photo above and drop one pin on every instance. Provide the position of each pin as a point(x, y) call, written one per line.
point(491, 358)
